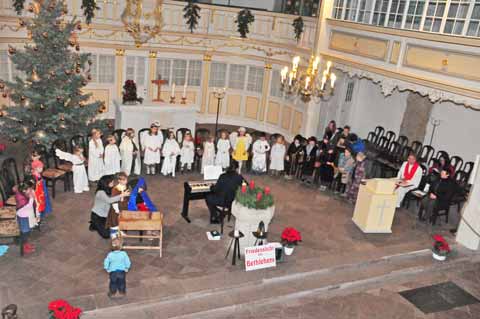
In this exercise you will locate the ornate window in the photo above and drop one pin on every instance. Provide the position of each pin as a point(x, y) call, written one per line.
point(474, 26)
point(218, 73)
point(163, 69)
point(255, 79)
point(414, 14)
point(102, 69)
point(351, 10)
point(179, 72)
point(237, 76)
point(338, 9)
point(276, 84)
point(380, 12)
point(135, 69)
point(435, 11)
point(365, 11)
point(194, 72)
point(397, 9)
point(456, 17)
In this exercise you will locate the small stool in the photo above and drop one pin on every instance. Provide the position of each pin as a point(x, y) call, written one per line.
point(236, 246)
point(261, 238)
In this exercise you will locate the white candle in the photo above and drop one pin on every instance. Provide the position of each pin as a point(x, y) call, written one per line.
point(296, 62)
point(185, 90)
point(315, 63)
point(307, 82)
point(333, 77)
point(329, 65)
point(173, 90)
point(324, 80)
point(290, 78)
point(284, 74)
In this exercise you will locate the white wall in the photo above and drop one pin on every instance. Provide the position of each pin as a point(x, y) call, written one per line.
point(458, 130)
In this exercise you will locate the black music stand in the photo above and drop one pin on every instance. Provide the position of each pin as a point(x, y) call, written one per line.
point(236, 246)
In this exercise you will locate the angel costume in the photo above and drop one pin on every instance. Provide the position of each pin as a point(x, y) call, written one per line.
point(80, 179)
point(208, 157)
point(95, 160)
point(412, 174)
point(259, 161)
point(187, 154)
point(130, 156)
point(277, 157)
point(223, 153)
point(112, 159)
point(170, 151)
point(152, 145)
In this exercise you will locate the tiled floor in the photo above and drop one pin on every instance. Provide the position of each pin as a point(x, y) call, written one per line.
point(68, 261)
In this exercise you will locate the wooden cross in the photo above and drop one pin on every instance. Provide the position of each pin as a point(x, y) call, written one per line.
point(159, 82)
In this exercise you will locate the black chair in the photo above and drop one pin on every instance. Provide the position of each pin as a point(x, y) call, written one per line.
point(426, 154)
point(371, 138)
point(468, 168)
point(390, 135)
point(119, 135)
point(379, 130)
point(224, 211)
point(5, 199)
point(461, 195)
point(52, 175)
point(440, 211)
point(392, 158)
point(416, 147)
point(60, 164)
point(456, 162)
point(180, 134)
point(402, 140)
point(443, 154)
point(10, 175)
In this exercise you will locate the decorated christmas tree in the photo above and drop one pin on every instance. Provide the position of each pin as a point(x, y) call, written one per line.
point(49, 103)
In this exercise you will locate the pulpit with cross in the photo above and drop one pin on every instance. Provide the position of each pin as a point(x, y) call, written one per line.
point(375, 207)
point(159, 82)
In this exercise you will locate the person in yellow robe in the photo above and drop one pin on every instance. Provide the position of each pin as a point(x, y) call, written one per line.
point(240, 147)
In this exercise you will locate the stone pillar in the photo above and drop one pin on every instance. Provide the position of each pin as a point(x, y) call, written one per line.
point(322, 31)
point(265, 94)
point(468, 233)
point(119, 63)
point(312, 120)
point(416, 117)
point(152, 59)
point(207, 61)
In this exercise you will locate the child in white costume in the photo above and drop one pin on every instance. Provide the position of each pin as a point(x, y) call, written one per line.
point(95, 156)
point(187, 153)
point(152, 145)
point(112, 156)
point(223, 151)
point(260, 149)
point(277, 156)
point(208, 157)
point(130, 153)
point(170, 151)
point(80, 179)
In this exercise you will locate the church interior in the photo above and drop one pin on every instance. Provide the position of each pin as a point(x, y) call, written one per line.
point(330, 170)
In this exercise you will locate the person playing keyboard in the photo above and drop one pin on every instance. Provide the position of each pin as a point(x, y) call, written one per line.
point(223, 192)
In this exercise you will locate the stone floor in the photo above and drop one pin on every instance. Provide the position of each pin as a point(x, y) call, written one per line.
point(68, 261)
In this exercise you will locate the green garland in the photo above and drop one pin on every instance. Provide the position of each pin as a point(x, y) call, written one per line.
point(89, 7)
point(298, 26)
point(18, 6)
point(243, 21)
point(191, 15)
point(249, 198)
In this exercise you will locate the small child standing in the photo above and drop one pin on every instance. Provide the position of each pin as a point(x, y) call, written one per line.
point(117, 265)
point(25, 199)
point(80, 177)
point(208, 157)
point(277, 156)
point(260, 149)
point(223, 151)
point(112, 157)
point(187, 153)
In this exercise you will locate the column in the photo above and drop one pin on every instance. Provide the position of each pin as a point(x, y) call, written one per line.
point(207, 61)
point(265, 93)
point(119, 63)
point(312, 115)
point(322, 32)
point(152, 59)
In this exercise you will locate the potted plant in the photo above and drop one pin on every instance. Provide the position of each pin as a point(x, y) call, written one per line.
point(252, 205)
point(130, 93)
point(290, 238)
point(61, 309)
point(440, 248)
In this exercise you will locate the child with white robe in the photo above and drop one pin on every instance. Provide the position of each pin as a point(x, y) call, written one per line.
point(152, 145)
point(130, 154)
point(96, 165)
point(259, 160)
point(187, 153)
point(112, 156)
point(208, 157)
point(277, 156)
point(170, 151)
point(80, 179)
point(223, 151)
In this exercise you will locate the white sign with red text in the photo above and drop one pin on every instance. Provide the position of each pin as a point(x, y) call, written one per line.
point(260, 257)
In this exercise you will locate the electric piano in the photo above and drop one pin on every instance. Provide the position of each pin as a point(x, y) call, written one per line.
point(195, 191)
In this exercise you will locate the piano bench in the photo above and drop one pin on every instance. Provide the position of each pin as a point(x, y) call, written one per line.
point(223, 212)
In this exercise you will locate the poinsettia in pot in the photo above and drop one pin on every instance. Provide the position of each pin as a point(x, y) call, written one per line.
point(61, 309)
point(440, 249)
point(290, 238)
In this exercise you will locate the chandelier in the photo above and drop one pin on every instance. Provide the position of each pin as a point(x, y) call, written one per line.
point(139, 23)
point(309, 83)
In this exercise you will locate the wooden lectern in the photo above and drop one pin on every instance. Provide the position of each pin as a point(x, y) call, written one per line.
point(375, 207)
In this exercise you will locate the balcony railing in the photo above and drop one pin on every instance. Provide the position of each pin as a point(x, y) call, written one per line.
point(453, 17)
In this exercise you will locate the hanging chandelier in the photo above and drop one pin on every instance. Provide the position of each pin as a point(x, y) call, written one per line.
point(309, 83)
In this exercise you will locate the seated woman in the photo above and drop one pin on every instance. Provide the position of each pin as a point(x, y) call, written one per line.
point(327, 167)
point(443, 163)
point(438, 197)
point(346, 162)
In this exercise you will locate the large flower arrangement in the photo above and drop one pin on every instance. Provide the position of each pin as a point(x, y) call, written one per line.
point(440, 245)
point(254, 197)
point(61, 309)
point(291, 236)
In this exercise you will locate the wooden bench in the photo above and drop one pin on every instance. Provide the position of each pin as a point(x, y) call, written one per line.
point(141, 222)
point(9, 226)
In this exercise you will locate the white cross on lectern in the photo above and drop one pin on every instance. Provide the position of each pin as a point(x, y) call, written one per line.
point(382, 211)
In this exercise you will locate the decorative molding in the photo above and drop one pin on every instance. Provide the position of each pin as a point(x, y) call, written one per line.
point(152, 54)
point(388, 85)
point(207, 57)
point(353, 43)
point(119, 52)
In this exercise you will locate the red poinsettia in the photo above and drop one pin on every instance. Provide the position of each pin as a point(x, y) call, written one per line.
point(440, 244)
point(61, 309)
point(291, 236)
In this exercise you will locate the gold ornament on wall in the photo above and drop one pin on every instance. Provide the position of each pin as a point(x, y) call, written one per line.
point(142, 26)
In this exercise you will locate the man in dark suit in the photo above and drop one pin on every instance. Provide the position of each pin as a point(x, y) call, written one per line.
point(438, 197)
point(223, 192)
